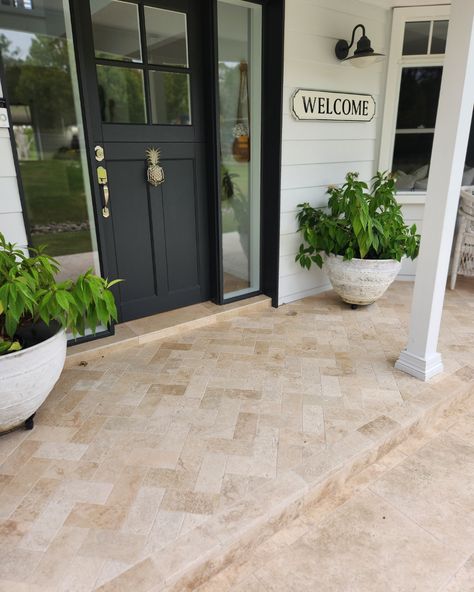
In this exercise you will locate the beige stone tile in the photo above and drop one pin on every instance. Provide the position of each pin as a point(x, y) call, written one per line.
point(82, 574)
point(11, 532)
point(86, 515)
point(379, 427)
point(11, 586)
point(142, 513)
point(110, 544)
point(71, 469)
point(142, 576)
point(464, 428)
point(165, 529)
point(211, 474)
point(169, 478)
point(44, 433)
point(33, 503)
point(61, 450)
point(364, 536)
point(86, 433)
point(193, 502)
point(76, 490)
point(18, 564)
point(435, 488)
point(111, 569)
point(54, 565)
point(19, 457)
point(127, 485)
point(462, 580)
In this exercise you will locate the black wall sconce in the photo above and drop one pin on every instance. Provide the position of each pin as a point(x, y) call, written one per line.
point(363, 56)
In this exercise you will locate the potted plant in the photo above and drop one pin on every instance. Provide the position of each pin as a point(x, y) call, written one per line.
point(361, 239)
point(35, 313)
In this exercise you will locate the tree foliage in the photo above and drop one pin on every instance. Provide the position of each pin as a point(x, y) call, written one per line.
point(360, 223)
point(29, 294)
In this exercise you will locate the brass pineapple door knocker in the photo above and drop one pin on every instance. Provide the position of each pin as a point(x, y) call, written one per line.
point(155, 173)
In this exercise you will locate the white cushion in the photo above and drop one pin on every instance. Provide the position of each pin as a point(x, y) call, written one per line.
point(422, 184)
point(404, 182)
point(422, 172)
point(468, 177)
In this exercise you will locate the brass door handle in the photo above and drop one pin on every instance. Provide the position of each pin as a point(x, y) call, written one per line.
point(105, 209)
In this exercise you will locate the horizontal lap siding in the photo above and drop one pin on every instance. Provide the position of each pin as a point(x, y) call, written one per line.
point(11, 217)
point(316, 154)
point(413, 214)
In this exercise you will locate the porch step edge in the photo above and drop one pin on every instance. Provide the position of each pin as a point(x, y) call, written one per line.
point(229, 537)
point(125, 338)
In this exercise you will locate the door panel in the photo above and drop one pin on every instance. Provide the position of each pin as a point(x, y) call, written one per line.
point(159, 235)
point(129, 207)
point(178, 204)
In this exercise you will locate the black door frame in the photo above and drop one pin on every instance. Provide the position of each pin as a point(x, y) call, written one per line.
point(273, 12)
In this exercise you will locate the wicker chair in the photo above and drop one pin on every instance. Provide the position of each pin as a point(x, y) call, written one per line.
point(463, 256)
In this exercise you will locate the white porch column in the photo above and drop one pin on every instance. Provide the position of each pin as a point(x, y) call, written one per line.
point(421, 358)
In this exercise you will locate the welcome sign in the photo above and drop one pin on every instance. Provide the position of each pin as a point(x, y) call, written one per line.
point(332, 106)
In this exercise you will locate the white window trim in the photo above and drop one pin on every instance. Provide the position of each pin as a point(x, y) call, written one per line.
point(392, 90)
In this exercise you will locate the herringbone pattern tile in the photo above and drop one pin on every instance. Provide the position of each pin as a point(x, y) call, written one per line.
point(140, 447)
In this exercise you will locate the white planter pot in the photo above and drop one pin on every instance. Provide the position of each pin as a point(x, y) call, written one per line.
point(360, 281)
point(27, 377)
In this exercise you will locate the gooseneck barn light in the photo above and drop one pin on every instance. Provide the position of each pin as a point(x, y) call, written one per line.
point(363, 56)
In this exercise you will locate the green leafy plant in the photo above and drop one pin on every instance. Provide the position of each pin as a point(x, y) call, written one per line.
point(29, 294)
point(360, 223)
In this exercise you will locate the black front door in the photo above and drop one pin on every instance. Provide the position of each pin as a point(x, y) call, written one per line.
point(141, 68)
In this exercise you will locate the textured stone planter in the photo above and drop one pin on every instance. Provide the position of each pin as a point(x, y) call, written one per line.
point(360, 281)
point(27, 378)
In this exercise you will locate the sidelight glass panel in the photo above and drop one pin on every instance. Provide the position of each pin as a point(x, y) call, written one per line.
point(116, 30)
point(170, 98)
point(41, 83)
point(416, 39)
point(240, 70)
point(121, 94)
point(166, 37)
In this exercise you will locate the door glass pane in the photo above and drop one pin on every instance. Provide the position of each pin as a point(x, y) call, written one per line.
point(170, 102)
point(116, 30)
point(121, 94)
point(166, 37)
point(440, 34)
point(240, 67)
point(415, 41)
point(41, 82)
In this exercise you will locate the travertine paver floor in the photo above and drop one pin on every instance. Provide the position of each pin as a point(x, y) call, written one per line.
point(133, 450)
point(404, 524)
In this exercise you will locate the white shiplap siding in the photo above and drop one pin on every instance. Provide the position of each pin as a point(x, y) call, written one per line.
point(11, 217)
point(316, 154)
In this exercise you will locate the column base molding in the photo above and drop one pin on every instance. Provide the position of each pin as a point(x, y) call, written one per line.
point(421, 368)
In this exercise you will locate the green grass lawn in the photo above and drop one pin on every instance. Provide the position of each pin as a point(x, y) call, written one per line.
point(64, 243)
point(54, 191)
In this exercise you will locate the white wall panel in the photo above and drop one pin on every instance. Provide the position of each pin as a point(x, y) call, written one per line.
point(13, 227)
point(9, 195)
point(11, 217)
